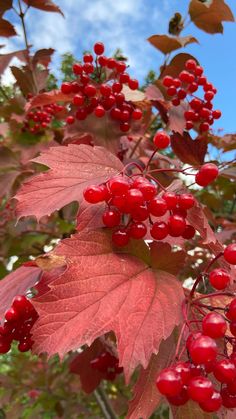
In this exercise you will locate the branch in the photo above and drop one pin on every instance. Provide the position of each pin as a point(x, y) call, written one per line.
point(104, 403)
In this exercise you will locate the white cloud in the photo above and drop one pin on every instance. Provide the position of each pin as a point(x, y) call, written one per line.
point(122, 23)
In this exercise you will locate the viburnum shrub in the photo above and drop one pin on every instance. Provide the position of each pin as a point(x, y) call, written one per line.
point(122, 225)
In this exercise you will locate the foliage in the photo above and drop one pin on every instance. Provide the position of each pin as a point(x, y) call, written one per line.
point(115, 301)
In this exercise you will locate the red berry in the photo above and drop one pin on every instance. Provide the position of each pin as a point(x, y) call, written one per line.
point(180, 399)
point(204, 126)
point(111, 63)
point(161, 140)
point(70, 119)
point(90, 90)
point(124, 78)
point(159, 230)
point(231, 310)
point(230, 254)
point(196, 103)
point(133, 84)
point(213, 404)
point(167, 81)
point(93, 194)
point(198, 70)
point(120, 66)
point(232, 327)
point(120, 237)
point(193, 87)
point(99, 111)
point(189, 125)
point(216, 114)
point(81, 114)
point(88, 58)
point(185, 76)
point(139, 213)
point(5, 346)
point(225, 371)
point(203, 350)
point(175, 101)
point(219, 278)
point(137, 114)
point(11, 315)
point(25, 345)
point(137, 230)
point(231, 387)
point(124, 127)
point(171, 91)
point(200, 389)
point(228, 400)
point(177, 225)
point(214, 325)
point(134, 197)
point(171, 200)
point(209, 96)
point(157, 207)
point(181, 94)
point(207, 174)
point(111, 218)
point(77, 69)
point(149, 190)
point(66, 88)
point(99, 48)
point(88, 68)
point(169, 382)
point(118, 185)
point(116, 87)
point(184, 369)
point(189, 232)
point(191, 64)
point(78, 100)
point(186, 201)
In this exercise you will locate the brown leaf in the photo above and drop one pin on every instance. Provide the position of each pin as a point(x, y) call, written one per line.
point(24, 79)
point(46, 5)
point(177, 64)
point(6, 28)
point(209, 16)
point(43, 56)
point(165, 259)
point(189, 151)
point(4, 6)
point(167, 44)
point(5, 59)
point(47, 98)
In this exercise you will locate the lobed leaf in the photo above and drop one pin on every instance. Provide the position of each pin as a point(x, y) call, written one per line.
point(167, 44)
point(46, 5)
point(209, 16)
point(103, 291)
point(72, 169)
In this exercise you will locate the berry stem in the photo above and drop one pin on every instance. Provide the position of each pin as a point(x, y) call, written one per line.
point(202, 275)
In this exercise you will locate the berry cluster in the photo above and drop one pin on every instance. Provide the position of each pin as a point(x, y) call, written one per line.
point(19, 320)
point(200, 114)
point(41, 117)
point(98, 90)
point(133, 201)
point(108, 365)
point(207, 375)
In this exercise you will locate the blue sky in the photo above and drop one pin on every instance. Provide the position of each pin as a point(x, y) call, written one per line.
point(127, 24)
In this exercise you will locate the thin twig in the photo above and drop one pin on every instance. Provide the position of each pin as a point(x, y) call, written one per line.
point(104, 403)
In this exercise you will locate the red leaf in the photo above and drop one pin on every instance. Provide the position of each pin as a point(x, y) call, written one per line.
point(6, 28)
point(102, 291)
point(177, 120)
point(43, 56)
point(90, 217)
point(7, 181)
point(73, 168)
point(48, 98)
point(90, 377)
point(17, 282)
point(210, 15)
point(188, 150)
point(165, 259)
point(199, 221)
point(46, 5)
point(146, 397)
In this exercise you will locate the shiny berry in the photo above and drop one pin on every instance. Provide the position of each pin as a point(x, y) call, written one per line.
point(230, 254)
point(157, 207)
point(99, 48)
point(200, 389)
point(111, 218)
point(203, 350)
point(137, 230)
point(169, 382)
point(171, 199)
point(214, 325)
point(159, 230)
point(219, 278)
point(120, 237)
point(118, 185)
point(186, 201)
point(207, 174)
point(213, 404)
point(177, 225)
point(161, 140)
point(189, 232)
point(93, 194)
point(225, 371)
